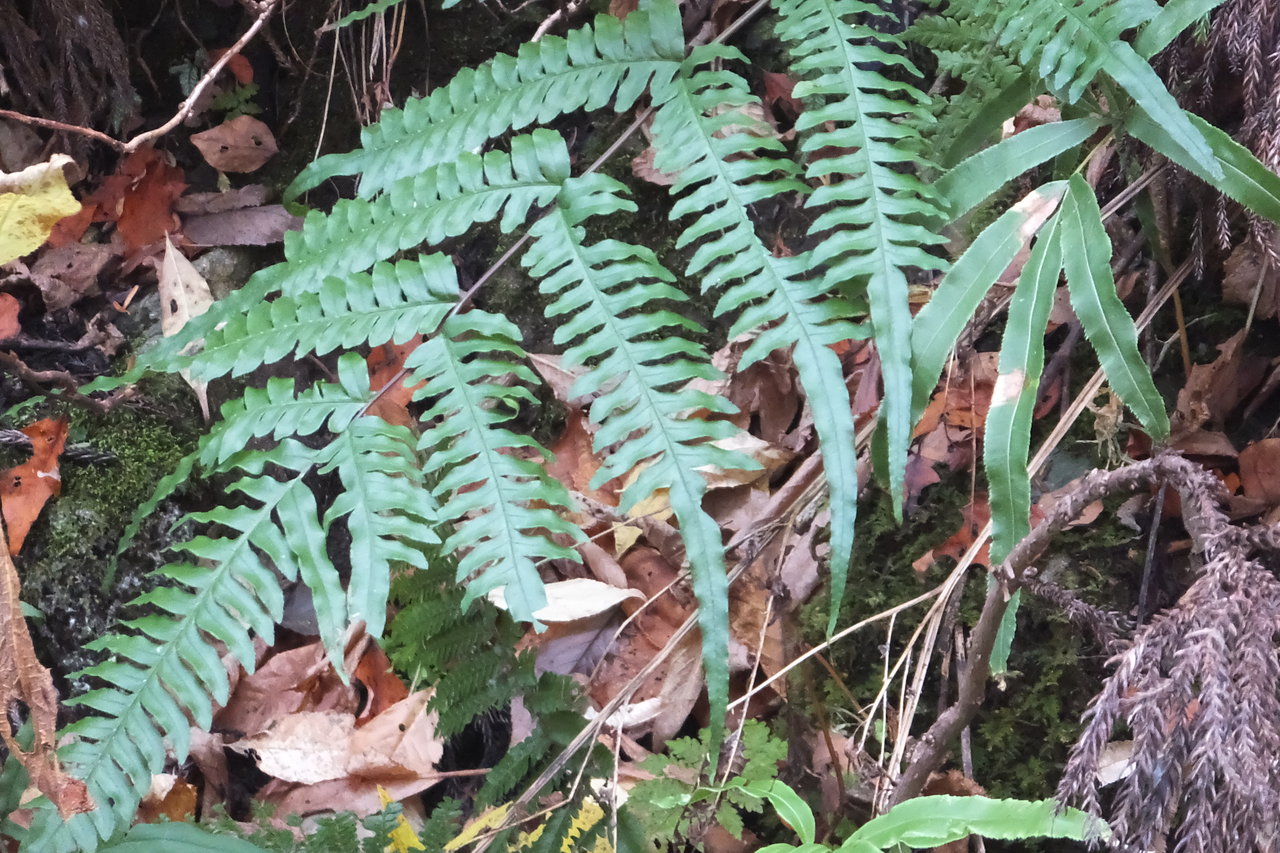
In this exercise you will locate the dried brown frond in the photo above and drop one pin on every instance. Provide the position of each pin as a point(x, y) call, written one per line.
point(65, 60)
point(1197, 693)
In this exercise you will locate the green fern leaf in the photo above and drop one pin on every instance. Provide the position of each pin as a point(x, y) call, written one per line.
point(939, 324)
point(719, 173)
point(505, 506)
point(168, 668)
point(609, 288)
point(870, 224)
point(1006, 439)
point(1074, 40)
point(391, 304)
point(388, 512)
point(1086, 250)
point(611, 62)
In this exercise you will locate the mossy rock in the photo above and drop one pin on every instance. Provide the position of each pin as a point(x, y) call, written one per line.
point(67, 557)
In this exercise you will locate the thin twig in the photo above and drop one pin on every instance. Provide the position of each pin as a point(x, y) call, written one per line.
point(184, 109)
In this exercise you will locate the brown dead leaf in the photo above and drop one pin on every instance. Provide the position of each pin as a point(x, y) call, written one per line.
point(26, 488)
point(385, 364)
point(976, 514)
point(254, 226)
point(1213, 391)
point(680, 688)
point(574, 464)
point(237, 198)
point(307, 747)
point(24, 680)
point(237, 66)
point(642, 167)
point(9, 325)
point(242, 144)
point(1245, 276)
point(384, 687)
point(140, 197)
point(76, 268)
point(1260, 470)
point(296, 680)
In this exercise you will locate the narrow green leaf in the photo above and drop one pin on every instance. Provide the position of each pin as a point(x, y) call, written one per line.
point(938, 325)
point(933, 821)
point(1008, 429)
point(974, 180)
point(1004, 634)
point(1086, 250)
point(306, 539)
point(1174, 17)
point(1244, 178)
point(1136, 77)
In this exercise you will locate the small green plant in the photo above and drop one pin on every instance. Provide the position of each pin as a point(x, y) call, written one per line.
point(928, 822)
point(681, 798)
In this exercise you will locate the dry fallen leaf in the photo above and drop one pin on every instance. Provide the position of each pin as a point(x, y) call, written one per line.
point(183, 294)
point(9, 325)
point(242, 144)
point(140, 197)
point(31, 203)
point(25, 488)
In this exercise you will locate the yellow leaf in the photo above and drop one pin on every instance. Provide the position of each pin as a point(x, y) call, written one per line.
point(490, 819)
point(403, 838)
point(31, 203)
point(588, 816)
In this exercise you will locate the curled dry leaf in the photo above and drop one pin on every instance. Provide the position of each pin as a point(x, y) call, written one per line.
point(183, 294)
point(242, 144)
point(24, 680)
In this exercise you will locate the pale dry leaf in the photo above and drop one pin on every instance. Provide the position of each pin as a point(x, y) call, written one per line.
point(574, 599)
point(307, 747)
point(184, 294)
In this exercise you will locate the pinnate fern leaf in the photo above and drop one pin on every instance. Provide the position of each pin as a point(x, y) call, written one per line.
point(611, 291)
point(609, 62)
point(1074, 40)
point(166, 669)
point(505, 504)
point(724, 162)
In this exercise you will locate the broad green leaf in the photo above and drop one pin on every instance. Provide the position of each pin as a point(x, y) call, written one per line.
point(1134, 74)
point(1174, 17)
point(1086, 250)
point(1008, 430)
point(178, 838)
point(933, 821)
point(794, 811)
point(974, 180)
point(938, 325)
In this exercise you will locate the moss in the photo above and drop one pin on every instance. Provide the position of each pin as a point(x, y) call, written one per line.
point(65, 559)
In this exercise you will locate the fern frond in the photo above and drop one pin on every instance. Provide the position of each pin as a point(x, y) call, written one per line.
point(611, 291)
point(721, 168)
point(388, 511)
point(505, 505)
point(426, 206)
point(1071, 41)
point(874, 208)
point(391, 304)
point(611, 61)
point(167, 669)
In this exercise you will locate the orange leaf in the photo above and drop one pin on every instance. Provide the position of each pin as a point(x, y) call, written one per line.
point(25, 488)
point(385, 362)
point(9, 325)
